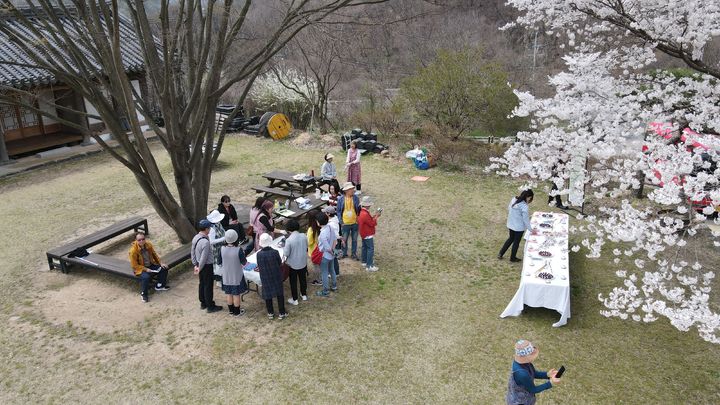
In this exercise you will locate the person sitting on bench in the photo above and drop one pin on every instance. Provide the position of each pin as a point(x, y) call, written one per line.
point(146, 263)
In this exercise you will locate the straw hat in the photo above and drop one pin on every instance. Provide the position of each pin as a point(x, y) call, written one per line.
point(231, 236)
point(215, 216)
point(329, 156)
point(366, 201)
point(525, 352)
point(265, 240)
point(348, 186)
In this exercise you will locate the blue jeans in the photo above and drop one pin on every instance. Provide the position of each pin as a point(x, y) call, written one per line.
point(350, 231)
point(145, 277)
point(326, 267)
point(368, 251)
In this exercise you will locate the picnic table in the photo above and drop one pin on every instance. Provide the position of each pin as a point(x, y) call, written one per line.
point(295, 212)
point(280, 179)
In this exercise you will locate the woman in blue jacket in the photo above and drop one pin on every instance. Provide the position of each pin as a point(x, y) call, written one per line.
point(521, 384)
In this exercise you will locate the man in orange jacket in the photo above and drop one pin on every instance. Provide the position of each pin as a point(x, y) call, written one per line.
point(146, 263)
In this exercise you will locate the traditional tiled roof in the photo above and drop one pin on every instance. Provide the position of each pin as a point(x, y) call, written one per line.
point(25, 77)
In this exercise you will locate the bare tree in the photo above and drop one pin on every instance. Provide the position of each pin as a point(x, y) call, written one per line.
point(186, 59)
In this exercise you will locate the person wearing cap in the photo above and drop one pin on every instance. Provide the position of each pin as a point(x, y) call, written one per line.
point(326, 245)
point(202, 260)
point(334, 223)
point(521, 384)
point(367, 224)
point(348, 208)
point(233, 277)
point(352, 165)
point(217, 239)
point(268, 261)
point(146, 263)
point(295, 252)
point(328, 172)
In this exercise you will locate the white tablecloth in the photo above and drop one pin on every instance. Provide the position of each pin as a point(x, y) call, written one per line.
point(535, 291)
point(253, 275)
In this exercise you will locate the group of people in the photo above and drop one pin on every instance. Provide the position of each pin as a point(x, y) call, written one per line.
point(220, 249)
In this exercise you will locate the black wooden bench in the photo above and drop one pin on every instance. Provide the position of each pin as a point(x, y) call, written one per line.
point(122, 267)
point(55, 256)
point(275, 191)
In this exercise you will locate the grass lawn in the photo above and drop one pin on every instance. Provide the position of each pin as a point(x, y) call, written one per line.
point(424, 329)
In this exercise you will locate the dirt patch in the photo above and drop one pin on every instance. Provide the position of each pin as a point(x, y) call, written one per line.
point(314, 141)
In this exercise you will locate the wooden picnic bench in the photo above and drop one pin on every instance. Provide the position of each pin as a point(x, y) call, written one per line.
point(55, 256)
point(272, 191)
point(122, 267)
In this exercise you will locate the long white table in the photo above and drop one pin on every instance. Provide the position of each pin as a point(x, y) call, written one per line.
point(550, 235)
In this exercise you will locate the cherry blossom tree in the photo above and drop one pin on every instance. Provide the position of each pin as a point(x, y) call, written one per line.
point(620, 119)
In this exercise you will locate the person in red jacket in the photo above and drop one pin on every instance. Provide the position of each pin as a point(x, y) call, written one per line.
point(367, 223)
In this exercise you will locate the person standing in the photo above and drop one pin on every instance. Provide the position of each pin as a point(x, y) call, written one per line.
point(518, 222)
point(295, 249)
point(202, 260)
point(234, 284)
point(217, 239)
point(145, 263)
point(367, 224)
point(328, 172)
point(521, 384)
point(252, 216)
point(268, 261)
point(313, 233)
point(352, 165)
point(348, 208)
point(326, 244)
point(334, 223)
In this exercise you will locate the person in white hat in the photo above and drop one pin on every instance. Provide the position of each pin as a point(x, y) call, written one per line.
point(328, 172)
point(348, 209)
point(521, 384)
point(367, 224)
point(234, 284)
point(217, 239)
point(268, 261)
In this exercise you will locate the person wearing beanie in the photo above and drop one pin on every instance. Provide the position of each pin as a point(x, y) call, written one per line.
point(268, 261)
point(202, 260)
point(234, 284)
point(521, 384)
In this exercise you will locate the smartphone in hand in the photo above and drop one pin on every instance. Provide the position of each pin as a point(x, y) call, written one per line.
point(560, 372)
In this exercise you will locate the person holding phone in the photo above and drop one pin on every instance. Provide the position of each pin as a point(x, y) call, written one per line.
point(521, 384)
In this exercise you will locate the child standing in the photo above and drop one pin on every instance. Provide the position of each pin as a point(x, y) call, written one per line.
point(296, 246)
point(367, 225)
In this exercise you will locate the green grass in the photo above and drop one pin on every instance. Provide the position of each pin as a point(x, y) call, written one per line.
point(424, 329)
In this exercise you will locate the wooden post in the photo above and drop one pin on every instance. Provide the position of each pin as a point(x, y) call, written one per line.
point(4, 158)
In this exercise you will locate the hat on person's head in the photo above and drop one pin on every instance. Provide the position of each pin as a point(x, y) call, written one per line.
point(231, 236)
point(215, 216)
point(329, 156)
point(265, 240)
point(330, 210)
point(366, 201)
point(204, 224)
point(525, 352)
point(348, 186)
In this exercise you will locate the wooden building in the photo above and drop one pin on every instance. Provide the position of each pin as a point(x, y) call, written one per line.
point(23, 130)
